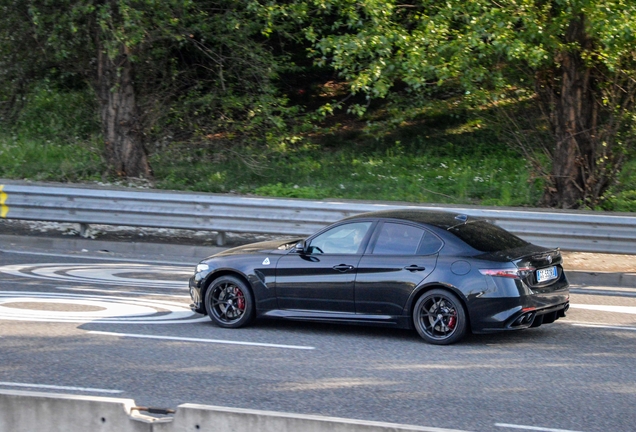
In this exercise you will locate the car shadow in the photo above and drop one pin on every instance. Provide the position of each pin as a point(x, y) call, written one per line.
point(536, 335)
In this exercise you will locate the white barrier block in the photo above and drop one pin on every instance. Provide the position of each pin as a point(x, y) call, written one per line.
point(24, 411)
point(205, 418)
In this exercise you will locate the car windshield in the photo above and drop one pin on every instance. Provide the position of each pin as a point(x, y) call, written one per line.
point(486, 237)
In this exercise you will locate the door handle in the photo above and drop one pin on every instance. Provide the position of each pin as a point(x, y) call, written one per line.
point(343, 267)
point(414, 268)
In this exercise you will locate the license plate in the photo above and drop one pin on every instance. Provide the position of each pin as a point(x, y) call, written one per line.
point(547, 274)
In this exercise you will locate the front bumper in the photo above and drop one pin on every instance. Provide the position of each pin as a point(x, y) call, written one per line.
point(195, 294)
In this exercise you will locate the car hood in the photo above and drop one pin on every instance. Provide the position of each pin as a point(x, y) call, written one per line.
point(267, 247)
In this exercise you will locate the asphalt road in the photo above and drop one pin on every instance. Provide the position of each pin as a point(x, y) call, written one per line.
point(578, 374)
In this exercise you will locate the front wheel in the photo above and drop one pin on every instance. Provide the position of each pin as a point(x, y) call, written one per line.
point(439, 317)
point(229, 302)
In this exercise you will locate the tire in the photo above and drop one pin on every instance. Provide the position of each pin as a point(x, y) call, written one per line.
point(229, 302)
point(439, 317)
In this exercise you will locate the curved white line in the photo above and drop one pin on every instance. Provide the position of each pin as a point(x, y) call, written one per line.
point(104, 274)
point(111, 309)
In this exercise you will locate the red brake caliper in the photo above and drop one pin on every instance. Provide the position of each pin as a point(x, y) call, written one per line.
point(452, 321)
point(240, 299)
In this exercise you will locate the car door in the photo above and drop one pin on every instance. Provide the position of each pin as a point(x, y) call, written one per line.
point(398, 259)
point(323, 278)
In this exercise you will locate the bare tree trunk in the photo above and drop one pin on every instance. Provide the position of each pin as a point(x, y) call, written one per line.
point(570, 100)
point(124, 150)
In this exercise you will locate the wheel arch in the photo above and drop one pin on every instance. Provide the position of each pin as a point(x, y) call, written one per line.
point(224, 272)
point(420, 291)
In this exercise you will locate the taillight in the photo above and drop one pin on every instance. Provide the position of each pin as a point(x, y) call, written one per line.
point(517, 273)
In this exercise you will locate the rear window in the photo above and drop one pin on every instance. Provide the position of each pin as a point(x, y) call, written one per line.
point(486, 237)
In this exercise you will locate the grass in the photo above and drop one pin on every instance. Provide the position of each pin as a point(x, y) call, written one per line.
point(432, 166)
point(441, 159)
point(55, 138)
point(27, 158)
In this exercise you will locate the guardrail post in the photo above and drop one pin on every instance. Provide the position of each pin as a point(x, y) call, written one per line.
point(220, 238)
point(84, 229)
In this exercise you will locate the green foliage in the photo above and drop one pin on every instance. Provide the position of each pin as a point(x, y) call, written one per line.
point(623, 202)
point(230, 97)
point(202, 70)
point(450, 162)
point(486, 51)
point(228, 100)
point(443, 158)
point(55, 137)
point(290, 191)
point(479, 44)
point(24, 158)
point(57, 116)
point(622, 196)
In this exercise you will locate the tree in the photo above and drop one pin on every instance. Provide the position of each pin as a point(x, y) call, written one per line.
point(576, 59)
point(157, 68)
point(101, 41)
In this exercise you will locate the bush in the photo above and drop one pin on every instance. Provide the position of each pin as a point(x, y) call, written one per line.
point(56, 116)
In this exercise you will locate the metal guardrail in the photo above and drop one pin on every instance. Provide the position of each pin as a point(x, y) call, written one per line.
point(583, 231)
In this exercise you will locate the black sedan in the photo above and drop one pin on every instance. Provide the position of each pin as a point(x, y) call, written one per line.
point(441, 273)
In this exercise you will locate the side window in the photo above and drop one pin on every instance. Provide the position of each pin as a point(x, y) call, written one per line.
point(401, 239)
point(430, 244)
point(343, 239)
point(398, 239)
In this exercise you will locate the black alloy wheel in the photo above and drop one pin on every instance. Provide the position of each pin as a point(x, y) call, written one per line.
point(229, 302)
point(439, 317)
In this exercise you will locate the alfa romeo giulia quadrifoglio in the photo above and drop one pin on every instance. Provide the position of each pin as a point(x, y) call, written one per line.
point(439, 273)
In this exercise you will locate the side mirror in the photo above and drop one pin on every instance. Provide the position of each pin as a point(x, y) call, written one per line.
point(301, 247)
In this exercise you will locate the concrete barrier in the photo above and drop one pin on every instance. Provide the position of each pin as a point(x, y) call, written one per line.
point(204, 418)
point(23, 411)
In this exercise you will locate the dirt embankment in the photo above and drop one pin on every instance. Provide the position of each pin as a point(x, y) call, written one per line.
point(587, 261)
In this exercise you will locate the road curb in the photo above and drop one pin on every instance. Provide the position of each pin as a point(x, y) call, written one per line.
point(180, 252)
point(608, 279)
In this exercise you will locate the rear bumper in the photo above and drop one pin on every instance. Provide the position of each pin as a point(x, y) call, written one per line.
point(530, 309)
point(522, 318)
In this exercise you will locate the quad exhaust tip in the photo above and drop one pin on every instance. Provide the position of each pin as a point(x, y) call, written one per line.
point(526, 318)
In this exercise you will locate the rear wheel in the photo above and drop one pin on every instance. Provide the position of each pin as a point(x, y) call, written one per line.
point(229, 302)
point(439, 317)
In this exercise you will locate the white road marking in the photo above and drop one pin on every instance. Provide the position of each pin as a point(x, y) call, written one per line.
point(131, 293)
point(603, 326)
point(216, 341)
point(533, 428)
point(585, 288)
point(605, 308)
point(54, 387)
point(77, 256)
point(92, 308)
point(104, 274)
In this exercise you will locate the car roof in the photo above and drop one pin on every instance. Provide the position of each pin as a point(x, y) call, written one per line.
point(438, 218)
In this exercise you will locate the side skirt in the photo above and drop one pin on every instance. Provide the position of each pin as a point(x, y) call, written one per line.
point(337, 317)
